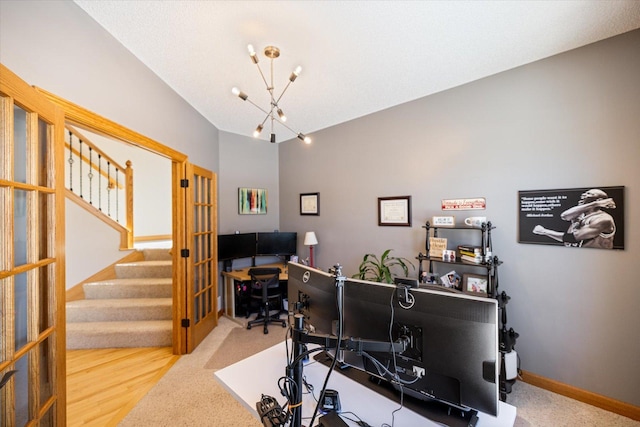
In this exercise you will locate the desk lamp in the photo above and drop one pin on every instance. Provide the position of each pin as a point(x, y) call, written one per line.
point(310, 239)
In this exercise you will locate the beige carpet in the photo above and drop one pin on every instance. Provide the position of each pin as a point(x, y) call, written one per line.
point(189, 395)
point(245, 342)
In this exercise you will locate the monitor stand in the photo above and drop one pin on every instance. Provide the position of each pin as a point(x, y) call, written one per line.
point(432, 409)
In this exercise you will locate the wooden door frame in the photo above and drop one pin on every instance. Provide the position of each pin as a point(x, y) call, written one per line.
point(86, 119)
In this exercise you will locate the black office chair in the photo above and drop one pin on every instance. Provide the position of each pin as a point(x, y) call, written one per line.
point(265, 287)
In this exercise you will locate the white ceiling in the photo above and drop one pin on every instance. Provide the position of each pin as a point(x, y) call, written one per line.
point(357, 57)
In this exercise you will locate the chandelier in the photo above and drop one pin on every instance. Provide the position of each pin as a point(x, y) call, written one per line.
point(274, 113)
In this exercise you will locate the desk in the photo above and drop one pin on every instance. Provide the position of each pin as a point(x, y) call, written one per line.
point(248, 379)
point(242, 275)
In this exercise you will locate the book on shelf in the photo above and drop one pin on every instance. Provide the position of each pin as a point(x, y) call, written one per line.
point(470, 249)
point(474, 259)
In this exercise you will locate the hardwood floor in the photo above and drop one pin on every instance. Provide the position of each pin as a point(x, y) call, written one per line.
point(103, 385)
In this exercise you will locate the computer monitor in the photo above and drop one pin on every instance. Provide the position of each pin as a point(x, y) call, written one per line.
point(312, 293)
point(453, 341)
point(277, 243)
point(234, 246)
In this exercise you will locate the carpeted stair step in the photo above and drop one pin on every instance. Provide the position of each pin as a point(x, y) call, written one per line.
point(128, 309)
point(129, 288)
point(146, 269)
point(157, 254)
point(151, 333)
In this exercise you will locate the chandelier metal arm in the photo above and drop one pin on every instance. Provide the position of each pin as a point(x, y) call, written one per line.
point(275, 113)
point(283, 91)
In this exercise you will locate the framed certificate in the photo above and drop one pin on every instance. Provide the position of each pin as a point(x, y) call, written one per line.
point(310, 204)
point(394, 211)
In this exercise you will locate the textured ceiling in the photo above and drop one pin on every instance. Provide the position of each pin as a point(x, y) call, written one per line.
point(357, 57)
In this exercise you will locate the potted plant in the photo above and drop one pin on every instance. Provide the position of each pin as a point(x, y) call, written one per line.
point(379, 269)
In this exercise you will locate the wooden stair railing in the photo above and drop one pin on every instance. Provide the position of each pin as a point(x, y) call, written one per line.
point(104, 175)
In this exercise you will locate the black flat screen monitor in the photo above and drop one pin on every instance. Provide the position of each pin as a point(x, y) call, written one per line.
point(453, 340)
point(234, 246)
point(312, 293)
point(277, 243)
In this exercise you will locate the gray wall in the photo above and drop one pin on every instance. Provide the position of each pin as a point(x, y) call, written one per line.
point(567, 121)
point(57, 46)
point(252, 163)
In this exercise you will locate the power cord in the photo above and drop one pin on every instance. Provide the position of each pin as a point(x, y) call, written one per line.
point(270, 412)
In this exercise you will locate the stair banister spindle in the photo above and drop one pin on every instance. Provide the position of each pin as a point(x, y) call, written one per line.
point(99, 182)
point(117, 196)
point(70, 161)
point(109, 188)
point(80, 162)
point(90, 176)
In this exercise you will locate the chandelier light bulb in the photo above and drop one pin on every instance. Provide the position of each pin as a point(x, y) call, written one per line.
point(304, 138)
point(281, 115)
point(237, 92)
point(295, 74)
point(252, 54)
point(256, 133)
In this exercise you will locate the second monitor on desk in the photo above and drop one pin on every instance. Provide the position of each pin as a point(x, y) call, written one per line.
point(249, 245)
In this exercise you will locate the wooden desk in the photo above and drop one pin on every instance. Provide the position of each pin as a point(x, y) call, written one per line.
point(242, 275)
point(248, 379)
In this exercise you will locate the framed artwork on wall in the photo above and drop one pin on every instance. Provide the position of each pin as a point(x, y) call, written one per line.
point(394, 211)
point(252, 201)
point(310, 204)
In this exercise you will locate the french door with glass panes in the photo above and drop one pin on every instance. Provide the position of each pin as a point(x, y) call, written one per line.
point(202, 269)
point(32, 358)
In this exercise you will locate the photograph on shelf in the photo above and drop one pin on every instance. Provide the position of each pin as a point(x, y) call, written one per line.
point(475, 284)
point(430, 278)
point(394, 211)
point(310, 204)
point(252, 201)
point(451, 280)
point(589, 217)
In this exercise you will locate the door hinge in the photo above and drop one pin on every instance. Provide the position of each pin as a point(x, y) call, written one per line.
point(184, 183)
point(186, 323)
point(184, 253)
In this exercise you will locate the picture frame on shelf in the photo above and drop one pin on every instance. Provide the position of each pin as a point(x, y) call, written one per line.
point(310, 204)
point(443, 221)
point(394, 211)
point(451, 280)
point(475, 284)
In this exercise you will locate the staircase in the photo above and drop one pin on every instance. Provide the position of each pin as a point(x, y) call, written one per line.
point(132, 310)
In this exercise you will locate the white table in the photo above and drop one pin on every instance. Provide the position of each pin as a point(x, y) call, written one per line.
point(248, 379)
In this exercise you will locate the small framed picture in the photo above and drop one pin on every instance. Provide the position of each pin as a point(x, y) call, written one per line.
point(310, 204)
point(451, 280)
point(475, 284)
point(443, 221)
point(394, 211)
